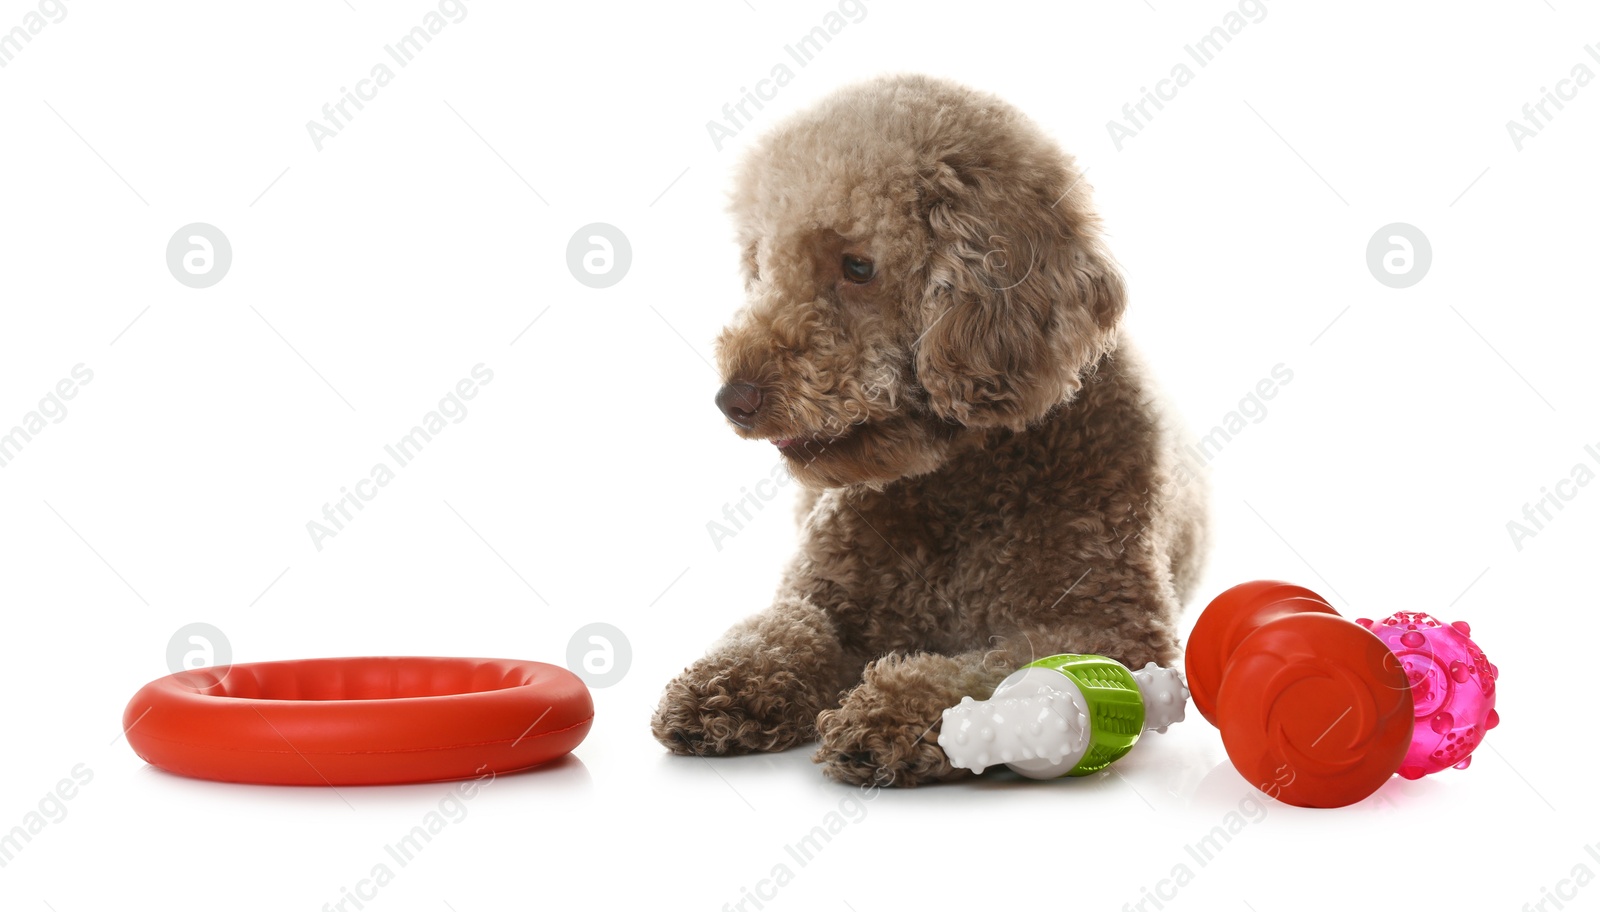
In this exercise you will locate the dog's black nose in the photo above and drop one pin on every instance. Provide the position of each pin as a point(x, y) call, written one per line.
point(739, 401)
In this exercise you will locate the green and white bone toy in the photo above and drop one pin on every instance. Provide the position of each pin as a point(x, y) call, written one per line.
point(1066, 715)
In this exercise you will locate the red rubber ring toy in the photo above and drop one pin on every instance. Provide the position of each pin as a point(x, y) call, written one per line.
point(359, 721)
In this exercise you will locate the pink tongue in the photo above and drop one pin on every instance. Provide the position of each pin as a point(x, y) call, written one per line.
point(783, 442)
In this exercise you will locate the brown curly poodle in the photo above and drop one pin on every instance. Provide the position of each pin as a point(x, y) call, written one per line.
point(930, 340)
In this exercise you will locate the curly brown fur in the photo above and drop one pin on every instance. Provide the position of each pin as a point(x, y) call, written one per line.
point(988, 476)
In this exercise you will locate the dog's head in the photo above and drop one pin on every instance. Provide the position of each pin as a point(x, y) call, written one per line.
point(920, 262)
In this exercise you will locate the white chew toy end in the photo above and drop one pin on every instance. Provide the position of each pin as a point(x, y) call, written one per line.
point(1165, 696)
point(1037, 723)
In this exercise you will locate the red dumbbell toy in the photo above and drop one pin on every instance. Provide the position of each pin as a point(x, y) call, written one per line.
point(1314, 709)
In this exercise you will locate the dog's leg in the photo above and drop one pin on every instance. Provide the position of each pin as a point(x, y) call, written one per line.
point(760, 687)
point(886, 731)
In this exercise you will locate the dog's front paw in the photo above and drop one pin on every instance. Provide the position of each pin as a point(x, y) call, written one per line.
point(884, 735)
point(711, 712)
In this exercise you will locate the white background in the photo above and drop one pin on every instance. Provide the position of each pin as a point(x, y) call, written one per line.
point(370, 276)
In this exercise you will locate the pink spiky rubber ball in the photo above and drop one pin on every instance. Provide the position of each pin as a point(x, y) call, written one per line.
point(1452, 688)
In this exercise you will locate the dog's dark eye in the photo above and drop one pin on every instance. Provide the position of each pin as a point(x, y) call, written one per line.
point(857, 270)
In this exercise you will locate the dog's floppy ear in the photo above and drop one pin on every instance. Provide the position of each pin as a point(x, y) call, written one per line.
point(1020, 296)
